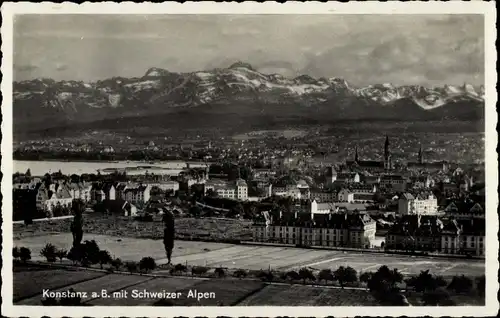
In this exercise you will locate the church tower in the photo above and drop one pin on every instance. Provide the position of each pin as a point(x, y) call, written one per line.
point(420, 155)
point(387, 154)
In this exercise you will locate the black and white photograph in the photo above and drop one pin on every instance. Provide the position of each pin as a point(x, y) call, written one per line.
point(219, 158)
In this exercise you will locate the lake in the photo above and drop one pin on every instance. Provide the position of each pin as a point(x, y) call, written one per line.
point(40, 168)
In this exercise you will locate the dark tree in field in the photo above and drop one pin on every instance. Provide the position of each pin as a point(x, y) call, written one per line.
point(461, 284)
point(326, 275)
point(345, 275)
point(77, 207)
point(168, 234)
point(438, 297)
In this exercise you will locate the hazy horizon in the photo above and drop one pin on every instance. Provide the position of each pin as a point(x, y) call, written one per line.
point(430, 50)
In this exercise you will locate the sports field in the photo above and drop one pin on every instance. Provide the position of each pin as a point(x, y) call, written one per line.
point(258, 257)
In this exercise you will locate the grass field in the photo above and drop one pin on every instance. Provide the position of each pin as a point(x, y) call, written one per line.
point(297, 295)
point(185, 228)
point(259, 257)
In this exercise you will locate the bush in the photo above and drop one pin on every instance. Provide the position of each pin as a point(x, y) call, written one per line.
point(61, 254)
point(180, 268)
point(292, 275)
point(220, 272)
point(116, 263)
point(75, 254)
point(438, 297)
point(306, 274)
point(25, 254)
point(147, 264)
point(104, 257)
point(326, 275)
point(461, 284)
point(15, 253)
point(49, 251)
point(240, 273)
point(131, 266)
point(199, 270)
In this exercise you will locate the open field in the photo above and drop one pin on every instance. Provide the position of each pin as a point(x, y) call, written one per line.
point(258, 257)
point(185, 228)
point(299, 295)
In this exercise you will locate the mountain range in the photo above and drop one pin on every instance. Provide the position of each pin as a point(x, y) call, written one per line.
point(239, 91)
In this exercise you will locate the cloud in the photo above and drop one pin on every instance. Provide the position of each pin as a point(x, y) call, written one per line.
point(26, 68)
point(61, 67)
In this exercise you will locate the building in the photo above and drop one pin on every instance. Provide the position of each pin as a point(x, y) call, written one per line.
point(430, 234)
point(424, 203)
point(415, 232)
point(372, 165)
point(307, 229)
point(137, 195)
point(348, 177)
point(393, 182)
point(421, 165)
point(346, 195)
point(322, 208)
point(321, 195)
point(464, 209)
point(237, 190)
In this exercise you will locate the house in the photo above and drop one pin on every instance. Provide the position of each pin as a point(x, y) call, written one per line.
point(348, 177)
point(321, 195)
point(464, 209)
point(415, 232)
point(424, 203)
point(421, 182)
point(61, 197)
point(237, 190)
point(393, 182)
point(129, 209)
point(346, 195)
point(138, 195)
point(42, 195)
point(322, 208)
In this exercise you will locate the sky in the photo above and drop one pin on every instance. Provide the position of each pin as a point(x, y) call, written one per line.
point(363, 49)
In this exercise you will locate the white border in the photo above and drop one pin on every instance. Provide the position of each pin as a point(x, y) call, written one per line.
point(454, 7)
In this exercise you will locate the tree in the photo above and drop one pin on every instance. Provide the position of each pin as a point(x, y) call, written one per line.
point(75, 254)
point(240, 273)
point(292, 275)
point(15, 253)
point(220, 272)
point(104, 257)
point(24, 254)
point(345, 275)
point(77, 208)
point(116, 263)
point(425, 282)
point(461, 284)
point(306, 274)
point(61, 254)
point(326, 275)
point(147, 264)
point(211, 193)
point(131, 266)
point(49, 251)
point(90, 252)
point(383, 285)
point(28, 173)
point(365, 277)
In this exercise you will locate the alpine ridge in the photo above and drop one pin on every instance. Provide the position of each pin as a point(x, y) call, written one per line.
point(239, 89)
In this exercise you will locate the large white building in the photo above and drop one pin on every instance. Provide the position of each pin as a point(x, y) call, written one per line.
point(421, 204)
point(309, 229)
point(228, 190)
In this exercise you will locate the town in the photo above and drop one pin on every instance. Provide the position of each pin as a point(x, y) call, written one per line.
point(413, 206)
